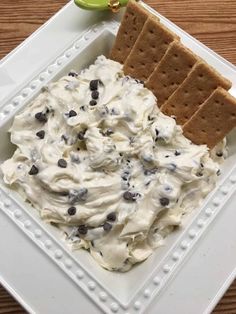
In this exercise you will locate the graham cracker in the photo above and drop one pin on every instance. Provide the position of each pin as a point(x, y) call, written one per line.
point(195, 89)
point(131, 25)
point(214, 119)
point(171, 71)
point(148, 49)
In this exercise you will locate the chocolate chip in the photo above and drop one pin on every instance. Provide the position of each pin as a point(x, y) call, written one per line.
point(111, 216)
point(219, 154)
point(218, 173)
point(72, 113)
point(129, 196)
point(150, 118)
point(201, 164)
point(148, 172)
point(65, 138)
point(78, 195)
point(167, 156)
point(177, 153)
point(41, 134)
point(107, 226)
point(41, 117)
point(109, 132)
point(157, 132)
point(82, 229)
point(71, 211)
point(82, 108)
point(93, 85)
point(62, 163)
point(73, 74)
point(164, 201)
point(81, 135)
point(199, 174)
point(95, 94)
point(172, 167)
point(33, 171)
point(92, 102)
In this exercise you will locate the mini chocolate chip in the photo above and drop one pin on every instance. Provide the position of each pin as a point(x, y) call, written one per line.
point(41, 134)
point(218, 172)
point(92, 243)
point(62, 163)
point(72, 113)
point(129, 196)
point(82, 229)
point(41, 117)
point(164, 201)
point(111, 216)
point(82, 108)
point(201, 164)
point(95, 94)
point(33, 171)
point(71, 211)
point(109, 132)
point(219, 154)
point(81, 135)
point(172, 167)
point(92, 102)
point(73, 74)
point(199, 174)
point(93, 85)
point(64, 138)
point(107, 226)
point(167, 156)
point(100, 253)
point(177, 153)
point(157, 132)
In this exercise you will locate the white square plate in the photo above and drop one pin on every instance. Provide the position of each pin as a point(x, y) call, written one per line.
point(38, 268)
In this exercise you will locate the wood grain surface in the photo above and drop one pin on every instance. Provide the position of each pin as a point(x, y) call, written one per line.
point(211, 21)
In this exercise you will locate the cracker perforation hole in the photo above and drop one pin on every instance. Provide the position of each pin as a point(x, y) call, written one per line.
point(164, 72)
point(175, 55)
point(200, 75)
point(233, 114)
point(140, 50)
point(203, 131)
point(185, 105)
point(186, 92)
point(151, 31)
point(176, 70)
point(164, 85)
point(186, 117)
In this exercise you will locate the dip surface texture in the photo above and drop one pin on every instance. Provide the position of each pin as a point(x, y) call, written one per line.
point(96, 157)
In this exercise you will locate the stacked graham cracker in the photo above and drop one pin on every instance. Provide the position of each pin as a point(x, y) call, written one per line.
point(186, 87)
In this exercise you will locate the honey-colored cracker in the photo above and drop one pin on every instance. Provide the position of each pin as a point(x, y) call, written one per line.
point(131, 25)
point(195, 89)
point(214, 119)
point(148, 50)
point(171, 71)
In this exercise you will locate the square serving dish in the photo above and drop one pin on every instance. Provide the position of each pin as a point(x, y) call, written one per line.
point(175, 274)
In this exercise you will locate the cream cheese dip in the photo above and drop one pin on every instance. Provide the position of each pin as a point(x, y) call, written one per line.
point(96, 157)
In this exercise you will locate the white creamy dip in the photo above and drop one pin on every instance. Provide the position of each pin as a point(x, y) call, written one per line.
point(114, 173)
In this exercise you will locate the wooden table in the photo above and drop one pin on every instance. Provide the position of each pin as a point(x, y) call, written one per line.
point(211, 21)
